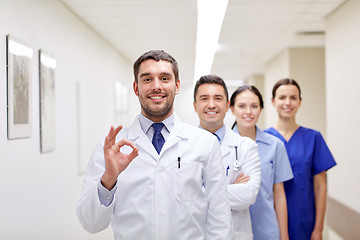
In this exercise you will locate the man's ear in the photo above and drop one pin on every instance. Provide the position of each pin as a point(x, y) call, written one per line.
point(232, 109)
point(227, 105)
point(136, 88)
point(177, 86)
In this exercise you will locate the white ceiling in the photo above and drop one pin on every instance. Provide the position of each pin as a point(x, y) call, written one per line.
point(253, 31)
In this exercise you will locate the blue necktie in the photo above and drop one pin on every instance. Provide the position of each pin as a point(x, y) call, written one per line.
point(217, 136)
point(158, 139)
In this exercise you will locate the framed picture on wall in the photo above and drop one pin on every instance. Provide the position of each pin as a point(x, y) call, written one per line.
point(19, 58)
point(47, 65)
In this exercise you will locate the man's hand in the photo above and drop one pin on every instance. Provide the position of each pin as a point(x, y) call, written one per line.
point(242, 178)
point(116, 161)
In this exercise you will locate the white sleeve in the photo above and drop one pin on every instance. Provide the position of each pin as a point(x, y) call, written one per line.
point(242, 195)
point(93, 216)
point(219, 222)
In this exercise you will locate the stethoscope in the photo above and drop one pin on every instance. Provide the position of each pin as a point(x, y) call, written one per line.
point(237, 165)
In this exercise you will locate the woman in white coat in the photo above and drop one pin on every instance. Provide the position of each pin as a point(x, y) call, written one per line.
point(239, 154)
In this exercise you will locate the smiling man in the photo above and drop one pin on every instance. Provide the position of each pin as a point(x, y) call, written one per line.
point(157, 179)
point(239, 154)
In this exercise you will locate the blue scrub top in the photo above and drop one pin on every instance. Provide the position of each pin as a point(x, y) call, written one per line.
point(275, 168)
point(309, 155)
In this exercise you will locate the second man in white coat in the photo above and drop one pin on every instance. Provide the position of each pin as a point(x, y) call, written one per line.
point(239, 154)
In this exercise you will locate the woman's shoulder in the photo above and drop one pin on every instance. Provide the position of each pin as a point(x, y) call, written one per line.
point(267, 137)
point(270, 130)
point(241, 140)
point(308, 131)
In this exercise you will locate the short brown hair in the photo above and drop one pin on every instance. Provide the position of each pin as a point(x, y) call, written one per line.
point(211, 79)
point(156, 55)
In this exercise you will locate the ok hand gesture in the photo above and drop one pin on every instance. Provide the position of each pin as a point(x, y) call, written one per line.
point(115, 160)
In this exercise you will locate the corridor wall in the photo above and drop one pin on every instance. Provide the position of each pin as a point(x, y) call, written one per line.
point(343, 114)
point(39, 191)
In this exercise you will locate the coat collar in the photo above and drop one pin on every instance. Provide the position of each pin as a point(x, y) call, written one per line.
point(229, 142)
point(137, 135)
point(262, 136)
point(229, 136)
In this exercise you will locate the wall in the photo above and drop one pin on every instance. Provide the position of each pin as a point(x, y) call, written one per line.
point(184, 107)
point(307, 67)
point(39, 192)
point(343, 84)
point(276, 68)
point(343, 114)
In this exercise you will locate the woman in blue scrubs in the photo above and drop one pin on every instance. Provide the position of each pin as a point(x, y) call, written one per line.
point(310, 158)
point(269, 212)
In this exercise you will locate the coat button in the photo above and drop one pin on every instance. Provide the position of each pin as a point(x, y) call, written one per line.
point(161, 169)
point(161, 211)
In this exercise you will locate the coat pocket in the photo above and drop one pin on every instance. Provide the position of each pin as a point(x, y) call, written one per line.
point(189, 182)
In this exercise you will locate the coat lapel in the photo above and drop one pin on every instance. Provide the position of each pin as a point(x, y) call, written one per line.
point(178, 133)
point(137, 136)
point(227, 144)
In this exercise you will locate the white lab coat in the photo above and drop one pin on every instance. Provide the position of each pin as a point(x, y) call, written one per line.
point(154, 198)
point(241, 195)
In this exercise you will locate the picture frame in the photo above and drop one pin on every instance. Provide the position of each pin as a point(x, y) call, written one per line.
point(47, 66)
point(19, 94)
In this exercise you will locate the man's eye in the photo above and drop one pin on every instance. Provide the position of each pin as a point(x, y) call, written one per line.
point(165, 78)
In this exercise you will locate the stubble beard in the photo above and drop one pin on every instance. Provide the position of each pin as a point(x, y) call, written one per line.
point(158, 115)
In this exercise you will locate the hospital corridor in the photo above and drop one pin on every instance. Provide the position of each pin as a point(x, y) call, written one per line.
point(68, 73)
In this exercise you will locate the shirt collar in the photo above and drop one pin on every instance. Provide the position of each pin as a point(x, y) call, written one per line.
point(261, 136)
point(235, 129)
point(146, 123)
point(220, 133)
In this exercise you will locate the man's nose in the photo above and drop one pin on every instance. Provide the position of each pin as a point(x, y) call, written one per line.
point(211, 103)
point(156, 84)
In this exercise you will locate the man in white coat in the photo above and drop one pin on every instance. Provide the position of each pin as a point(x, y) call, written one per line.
point(239, 154)
point(159, 179)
